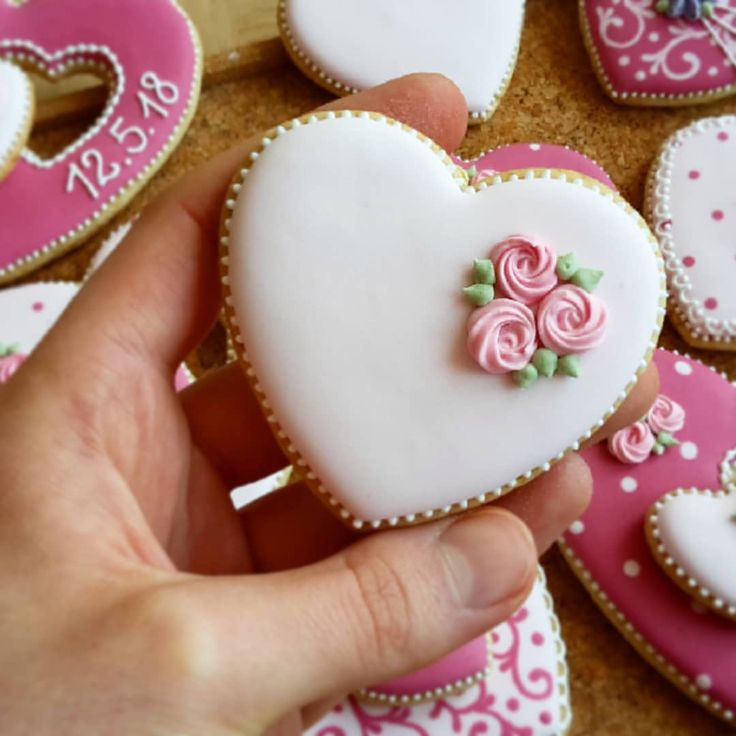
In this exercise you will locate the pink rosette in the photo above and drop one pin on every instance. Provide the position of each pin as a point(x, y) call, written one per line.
point(502, 336)
point(9, 364)
point(633, 444)
point(570, 320)
point(525, 269)
point(666, 415)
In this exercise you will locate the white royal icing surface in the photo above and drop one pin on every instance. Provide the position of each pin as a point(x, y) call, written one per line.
point(359, 43)
point(693, 213)
point(350, 241)
point(16, 110)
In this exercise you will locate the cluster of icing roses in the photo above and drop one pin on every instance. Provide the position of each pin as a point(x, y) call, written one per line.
point(10, 361)
point(688, 9)
point(535, 311)
point(651, 435)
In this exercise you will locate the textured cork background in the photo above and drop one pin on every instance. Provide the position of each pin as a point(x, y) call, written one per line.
point(553, 98)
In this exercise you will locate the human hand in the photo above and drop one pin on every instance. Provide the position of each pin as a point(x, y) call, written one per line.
point(128, 588)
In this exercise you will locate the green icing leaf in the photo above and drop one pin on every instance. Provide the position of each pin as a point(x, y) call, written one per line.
point(545, 361)
point(471, 173)
point(483, 271)
point(586, 278)
point(567, 265)
point(667, 440)
point(569, 365)
point(479, 294)
point(526, 376)
point(658, 449)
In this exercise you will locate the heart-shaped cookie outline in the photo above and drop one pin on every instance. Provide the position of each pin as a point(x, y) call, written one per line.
point(457, 173)
point(695, 687)
point(686, 312)
point(682, 573)
point(87, 57)
point(406, 714)
point(634, 97)
point(312, 70)
point(17, 135)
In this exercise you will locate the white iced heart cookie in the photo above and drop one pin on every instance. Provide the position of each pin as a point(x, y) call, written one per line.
point(693, 536)
point(16, 104)
point(349, 45)
point(346, 246)
point(693, 213)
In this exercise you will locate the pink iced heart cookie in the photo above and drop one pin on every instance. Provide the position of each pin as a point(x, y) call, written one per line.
point(16, 103)
point(149, 52)
point(662, 52)
point(390, 412)
point(693, 213)
point(525, 691)
point(349, 45)
point(608, 550)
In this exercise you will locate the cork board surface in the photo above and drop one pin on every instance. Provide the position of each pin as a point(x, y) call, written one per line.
point(553, 98)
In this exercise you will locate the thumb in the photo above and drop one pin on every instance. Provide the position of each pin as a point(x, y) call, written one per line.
point(387, 605)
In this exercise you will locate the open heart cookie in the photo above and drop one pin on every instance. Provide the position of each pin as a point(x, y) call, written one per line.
point(16, 103)
point(662, 52)
point(350, 319)
point(525, 691)
point(692, 211)
point(608, 550)
point(693, 536)
point(150, 52)
point(349, 45)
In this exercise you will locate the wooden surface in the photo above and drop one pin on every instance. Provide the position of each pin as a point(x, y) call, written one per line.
point(553, 98)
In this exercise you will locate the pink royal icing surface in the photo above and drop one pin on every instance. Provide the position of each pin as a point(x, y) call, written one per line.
point(151, 49)
point(643, 53)
point(571, 320)
point(610, 543)
point(525, 269)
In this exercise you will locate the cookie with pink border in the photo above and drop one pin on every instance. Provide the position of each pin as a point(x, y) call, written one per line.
point(149, 53)
point(662, 52)
point(525, 691)
point(692, 212)
point(390, 413)
point(17, 104)
point(349, 45)
point(608, 550)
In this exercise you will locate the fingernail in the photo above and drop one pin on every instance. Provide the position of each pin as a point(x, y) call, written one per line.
point(490, 557)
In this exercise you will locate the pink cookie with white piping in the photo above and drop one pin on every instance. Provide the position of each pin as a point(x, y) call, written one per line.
point(608, 547)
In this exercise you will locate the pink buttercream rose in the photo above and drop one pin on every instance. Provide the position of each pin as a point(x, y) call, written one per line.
point(570, 320)
point(9, 364)
point(525, 269)
point(633, 444)
point(502, 336)
point(666, 415)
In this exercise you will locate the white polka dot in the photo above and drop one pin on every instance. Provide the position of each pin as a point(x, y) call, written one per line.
point(534, 146)
point(654, 37)
point(577, 527)
point(683, 368)
point(632, 568)
point(688, 450)
point(713, 71)
point(703, 681)
point(628, 484)
point(624, 60)
point(640, 76)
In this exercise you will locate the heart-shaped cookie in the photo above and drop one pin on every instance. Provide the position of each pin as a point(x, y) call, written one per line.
point(662, 52)
point(346, 246)
point(349, 45)
point(16, 103)
point(608, 550)
point(692, 211)
point(149, 51)
point(525, 691)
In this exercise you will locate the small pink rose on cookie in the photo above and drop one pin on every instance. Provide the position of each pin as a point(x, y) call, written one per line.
point(10, 361)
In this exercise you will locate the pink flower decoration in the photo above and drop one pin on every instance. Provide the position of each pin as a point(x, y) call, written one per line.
point(9, 364)
point(633, 444)
point(570, 320)
point(525, 269)
point(502, 336)
point(666, 415)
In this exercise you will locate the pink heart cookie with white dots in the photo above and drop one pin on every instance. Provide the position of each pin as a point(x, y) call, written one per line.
point(16, 104)
point(662, 52)
point(608, 549)
point(692, 211)
point(524, 692)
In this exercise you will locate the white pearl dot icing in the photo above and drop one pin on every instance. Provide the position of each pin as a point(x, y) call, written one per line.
point(628, 484)
point(16, 116)
point(689, 450)
point(352, 317)
point(632, 568)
